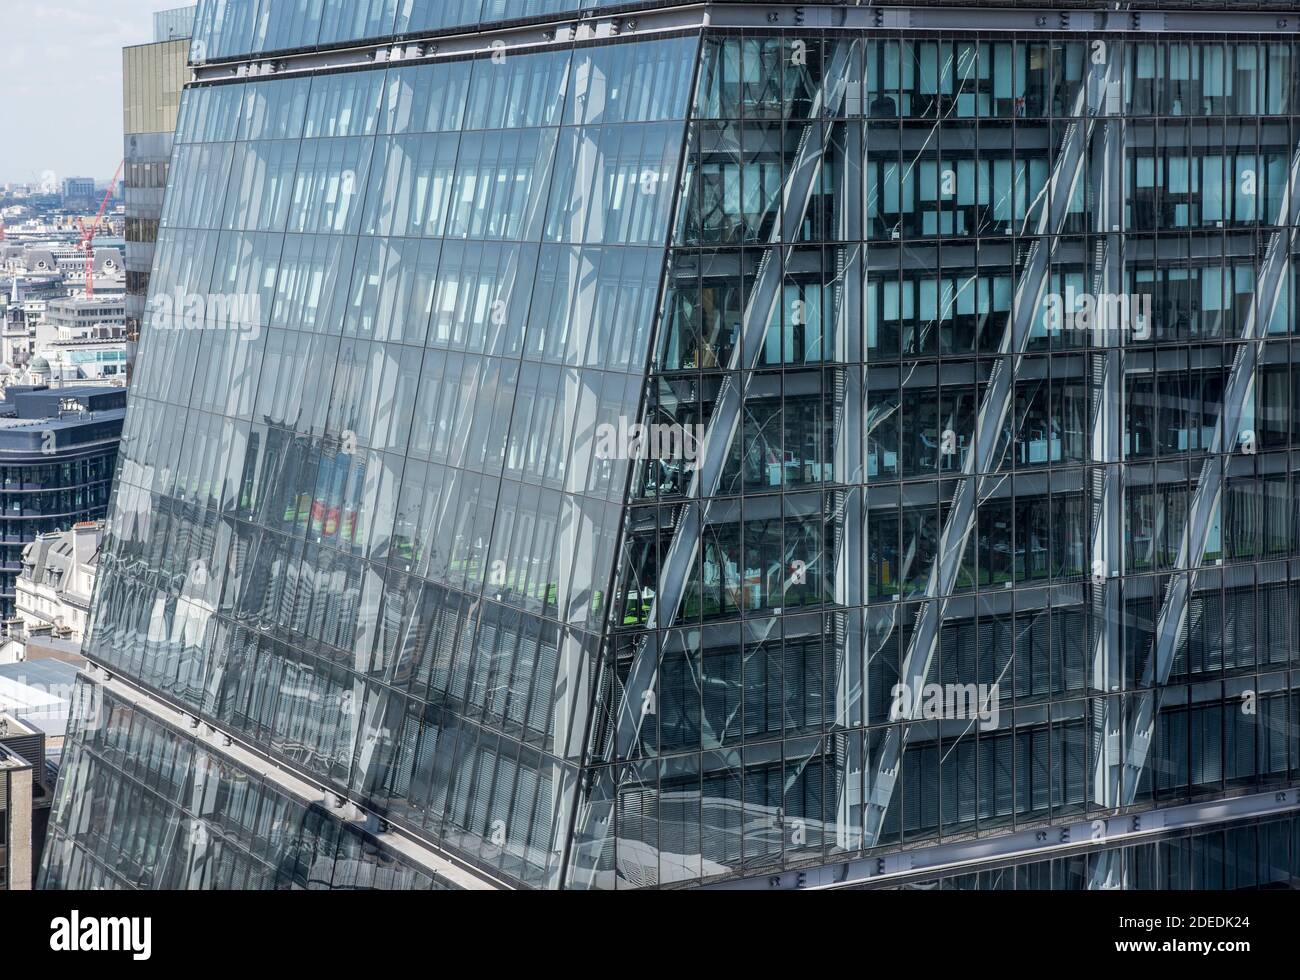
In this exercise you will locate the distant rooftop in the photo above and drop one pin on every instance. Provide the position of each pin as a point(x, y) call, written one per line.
point(72, 304)
point(44, 403)
point(10, 759)
point(76, 416)
point(48, 560)
point(38, 693)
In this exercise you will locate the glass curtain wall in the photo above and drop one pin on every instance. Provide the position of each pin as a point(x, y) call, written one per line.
point(362, 523)
point(149, 807)
point(842, 336)
point(848, 286)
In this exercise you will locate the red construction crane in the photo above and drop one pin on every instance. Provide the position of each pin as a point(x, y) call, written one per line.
point(88, 233)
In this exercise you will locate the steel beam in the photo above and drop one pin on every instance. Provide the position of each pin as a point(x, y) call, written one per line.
point(725, 422)
point(1092, 102)
point(1107, 479)
point(1228, 434)
point(1016, 847)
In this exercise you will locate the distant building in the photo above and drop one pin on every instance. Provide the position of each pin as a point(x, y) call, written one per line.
point(77, 340)
point(57, 581)
point(153, 75)
point(18, 780)
point(47, 335)
point(79, 361)
point(65, 262)
point(35, 700)
point(24, 286)
point(16, 331)
point(58, 449)
point(81, 317)
point(78, 191)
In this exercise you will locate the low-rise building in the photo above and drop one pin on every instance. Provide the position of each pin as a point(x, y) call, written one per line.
point(77, 316)
point(35, 702)
point(67, 259)
point(17, 787)
point(78, 191)
point(57, 581)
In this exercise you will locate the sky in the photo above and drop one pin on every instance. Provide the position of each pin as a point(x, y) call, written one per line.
point(61, 84)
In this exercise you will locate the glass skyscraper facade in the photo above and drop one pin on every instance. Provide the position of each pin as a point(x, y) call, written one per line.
point(641, 414)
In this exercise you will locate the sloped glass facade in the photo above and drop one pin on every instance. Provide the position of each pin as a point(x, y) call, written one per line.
point(147, 806)
point(368, 530)
point(985, 340)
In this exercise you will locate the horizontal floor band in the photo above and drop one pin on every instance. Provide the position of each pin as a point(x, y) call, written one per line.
point(593, 26)
point(1040, 843)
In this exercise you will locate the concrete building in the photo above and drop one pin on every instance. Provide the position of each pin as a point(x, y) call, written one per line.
point(79, 362)
point(77, 316)
point(79, 340)
point(35, 703)
point(18, 784)
point(57, 581)
point(78, 192)
point(17, 329)
point(66, 262)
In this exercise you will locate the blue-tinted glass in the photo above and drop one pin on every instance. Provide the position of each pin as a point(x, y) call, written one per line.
point(587, 479)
